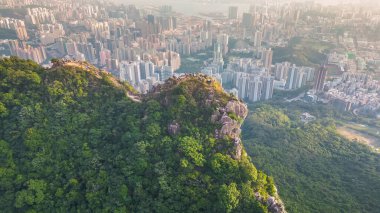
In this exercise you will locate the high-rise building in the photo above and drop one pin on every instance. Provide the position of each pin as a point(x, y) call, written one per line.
point(166, 72)
point(218, 55)
point(258, 39)
point(71, 48)
point(297, 77)
point(301, 77)
point(146, 69)
point(105, 55)
point(130, 72)
point(247, 20)
point(125, 71)
point(242, 83)
point(268, 86)
point(60, 46)
point(281, 71)
point(223, 40)
point(114, 64)
point(233, 12)
point(16, 25)
point(25, 51)
point(310, 74)
point(267, 58)
point(320, 77)
point(255, 89)
point(151, 19)
point(39, 15)
point(227, 78)
point(291, 80)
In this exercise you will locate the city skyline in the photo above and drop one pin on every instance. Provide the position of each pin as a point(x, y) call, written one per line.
point(146, 46)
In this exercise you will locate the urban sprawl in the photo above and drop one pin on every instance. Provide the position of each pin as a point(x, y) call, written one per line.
point(145, 46)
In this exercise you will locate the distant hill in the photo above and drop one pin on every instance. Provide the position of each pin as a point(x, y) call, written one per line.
point(302, 52)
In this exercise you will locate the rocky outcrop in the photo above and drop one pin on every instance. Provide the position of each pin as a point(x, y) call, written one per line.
point(274, 204)
point(231, 124)
point(174, 128)
point(238, 108)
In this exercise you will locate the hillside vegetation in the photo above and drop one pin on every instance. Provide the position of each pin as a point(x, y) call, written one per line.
point(72, 140)
point(302, 52)
point(316, 169)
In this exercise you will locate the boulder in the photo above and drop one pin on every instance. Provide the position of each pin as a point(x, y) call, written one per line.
point(173, 128)
point(275, 206)
point(237, 107)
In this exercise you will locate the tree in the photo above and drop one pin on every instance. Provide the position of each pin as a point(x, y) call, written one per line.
point(228, 197)
point(33, 195)
point(192, 149)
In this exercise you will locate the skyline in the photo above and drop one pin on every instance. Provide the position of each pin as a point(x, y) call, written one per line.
point(244, 50)
point(194, 8)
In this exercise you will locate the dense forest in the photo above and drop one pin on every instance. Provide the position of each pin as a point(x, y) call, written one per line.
point(74, 139)
point(316, 170)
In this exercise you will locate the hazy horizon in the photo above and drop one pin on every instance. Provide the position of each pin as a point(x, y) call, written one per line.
point(194, 7)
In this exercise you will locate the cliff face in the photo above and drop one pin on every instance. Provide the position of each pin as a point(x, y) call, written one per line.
point(231, 117)
point(77, 139)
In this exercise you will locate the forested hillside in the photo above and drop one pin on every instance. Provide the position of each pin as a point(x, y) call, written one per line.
point(316, 169)
point(74, 139)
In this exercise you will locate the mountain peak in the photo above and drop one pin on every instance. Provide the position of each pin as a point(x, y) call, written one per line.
point(75, 140)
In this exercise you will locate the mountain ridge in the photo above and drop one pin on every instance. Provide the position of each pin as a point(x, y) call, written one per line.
point(75, 142)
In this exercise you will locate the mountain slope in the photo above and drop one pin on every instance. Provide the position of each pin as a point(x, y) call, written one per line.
point(73, 138)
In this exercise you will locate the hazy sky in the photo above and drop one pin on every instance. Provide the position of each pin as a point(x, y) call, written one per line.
point(193, 7)
point(160, 2)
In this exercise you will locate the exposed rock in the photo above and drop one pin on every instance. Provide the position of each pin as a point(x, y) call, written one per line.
point(216, 133)
point(173, 128)
point(271, 201)
point(215, 117)
point(225, 119)
point(230, 127)
point(237, 107)
point(275, 206)
point(238, 147)
point(258, 197)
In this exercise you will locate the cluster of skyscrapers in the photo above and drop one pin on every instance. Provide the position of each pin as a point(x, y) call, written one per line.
point(246, 78)
point(144, 45)
point(26, 51)
point(16, 25)
point(289, 77)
